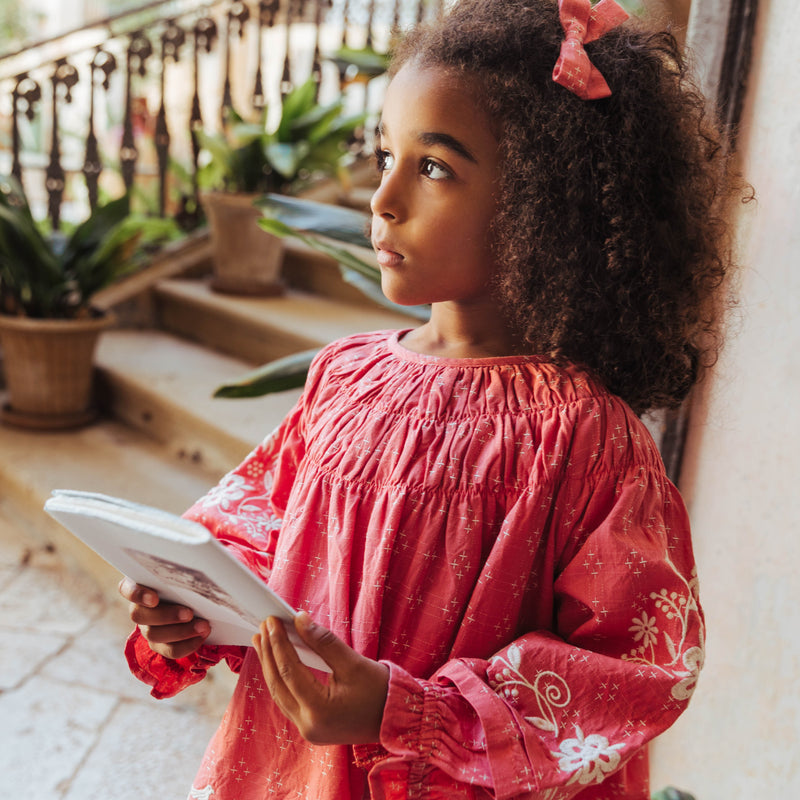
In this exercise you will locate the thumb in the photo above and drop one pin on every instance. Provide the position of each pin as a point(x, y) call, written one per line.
point(323, 642)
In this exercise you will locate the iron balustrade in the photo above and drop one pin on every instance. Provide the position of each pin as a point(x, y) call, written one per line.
point(78, 106)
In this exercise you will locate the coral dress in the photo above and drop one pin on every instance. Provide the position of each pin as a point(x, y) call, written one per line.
point(501, 533)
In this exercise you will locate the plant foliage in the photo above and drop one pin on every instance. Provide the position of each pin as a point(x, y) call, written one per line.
point(56, 275)
point(321, 226)
point(309, 141)
point(359, 65)
point(277, 376)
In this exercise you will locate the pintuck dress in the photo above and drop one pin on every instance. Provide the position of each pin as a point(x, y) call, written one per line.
point(502, 534)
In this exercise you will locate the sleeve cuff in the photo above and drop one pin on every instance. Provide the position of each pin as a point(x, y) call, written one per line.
point(166, 676)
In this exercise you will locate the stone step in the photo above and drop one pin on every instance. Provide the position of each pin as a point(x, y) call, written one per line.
point(107, 457)
point(163, 386)
point(261, 329)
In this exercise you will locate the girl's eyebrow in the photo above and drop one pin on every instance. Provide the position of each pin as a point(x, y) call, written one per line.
point(446, 140)
point(431, 138)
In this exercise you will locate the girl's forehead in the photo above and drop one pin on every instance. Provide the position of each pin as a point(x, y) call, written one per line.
point(430, 78)
point(431, 91)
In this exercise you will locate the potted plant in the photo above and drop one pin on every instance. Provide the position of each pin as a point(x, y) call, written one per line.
point(48, 327)
point(248, 160)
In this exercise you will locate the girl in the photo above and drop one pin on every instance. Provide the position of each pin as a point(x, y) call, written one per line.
point(472, 509)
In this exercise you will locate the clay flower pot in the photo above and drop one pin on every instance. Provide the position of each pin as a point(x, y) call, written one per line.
point(48, 365)
point(247, 259)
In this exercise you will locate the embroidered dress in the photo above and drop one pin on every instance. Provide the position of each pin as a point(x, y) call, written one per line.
point(501, 533)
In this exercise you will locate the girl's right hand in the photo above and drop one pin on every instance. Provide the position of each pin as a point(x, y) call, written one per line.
point(171, 630)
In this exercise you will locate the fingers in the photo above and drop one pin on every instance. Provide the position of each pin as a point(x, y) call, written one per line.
point(325, 643)
point(281, 666)
point(175, 650)
point(170, 629)
point(135, 593)
point(166, 634)
point(347, 709)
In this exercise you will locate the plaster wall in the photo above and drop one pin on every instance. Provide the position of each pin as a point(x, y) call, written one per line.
point(740, 738)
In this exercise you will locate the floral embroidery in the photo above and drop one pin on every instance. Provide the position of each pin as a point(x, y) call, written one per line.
point(201, 794)
point(227, 492)
point(693, 661)
point(684, 662)
point(241, 500)
point(644, 628)
point(589, 757)
point(549, 689)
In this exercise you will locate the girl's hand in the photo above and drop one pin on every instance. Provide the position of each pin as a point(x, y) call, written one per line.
point(171, 630)
point(346, 710)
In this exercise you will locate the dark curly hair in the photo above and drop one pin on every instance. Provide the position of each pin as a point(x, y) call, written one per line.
point(611, 224)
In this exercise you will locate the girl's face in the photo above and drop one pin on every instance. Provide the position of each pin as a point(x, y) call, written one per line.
point(438, 159)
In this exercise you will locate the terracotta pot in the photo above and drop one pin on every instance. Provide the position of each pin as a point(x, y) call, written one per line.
point(247, 259)
point(48, 365)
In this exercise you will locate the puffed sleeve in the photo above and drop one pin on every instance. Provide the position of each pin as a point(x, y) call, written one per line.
point(558, 711)
point(244, 512)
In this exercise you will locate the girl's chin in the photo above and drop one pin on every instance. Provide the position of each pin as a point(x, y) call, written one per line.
point(403, 295)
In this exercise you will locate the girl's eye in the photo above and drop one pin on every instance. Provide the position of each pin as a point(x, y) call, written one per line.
point(434, 171)
point(384, 160)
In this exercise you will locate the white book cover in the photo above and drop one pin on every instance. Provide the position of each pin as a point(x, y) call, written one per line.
point(181, 560)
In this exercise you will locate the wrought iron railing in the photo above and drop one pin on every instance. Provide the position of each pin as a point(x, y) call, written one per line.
point(114, 106)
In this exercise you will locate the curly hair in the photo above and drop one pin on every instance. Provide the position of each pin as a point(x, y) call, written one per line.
point(611, 226)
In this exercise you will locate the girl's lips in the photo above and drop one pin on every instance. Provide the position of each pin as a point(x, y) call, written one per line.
point(388, 258)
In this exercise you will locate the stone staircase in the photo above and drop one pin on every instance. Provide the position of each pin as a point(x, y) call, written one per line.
point(77, 725)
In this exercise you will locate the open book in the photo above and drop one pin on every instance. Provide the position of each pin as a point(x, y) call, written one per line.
point(181, 560)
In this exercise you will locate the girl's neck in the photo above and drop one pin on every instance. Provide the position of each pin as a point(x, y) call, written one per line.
point(458, 332)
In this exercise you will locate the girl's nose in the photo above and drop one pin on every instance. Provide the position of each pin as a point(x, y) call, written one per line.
point(386, 201)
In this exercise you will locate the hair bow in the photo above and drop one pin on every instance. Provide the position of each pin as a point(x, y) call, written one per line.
point(584, 23)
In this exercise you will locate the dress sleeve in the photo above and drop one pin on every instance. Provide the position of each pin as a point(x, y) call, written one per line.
point(558, 711)
point(244, 512)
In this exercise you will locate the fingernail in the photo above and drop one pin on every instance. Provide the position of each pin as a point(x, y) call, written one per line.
point(202, 627)
point(272, 625)
point(185, 614)
point(149, 599)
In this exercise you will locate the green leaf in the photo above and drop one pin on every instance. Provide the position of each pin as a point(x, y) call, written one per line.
point(339, 254)
point(315, 124)
point(297, 103)
point(286, 158)
point(92, 232)
point(311, 220)
point(285, 373)
point(367, 62)
point(324, 219)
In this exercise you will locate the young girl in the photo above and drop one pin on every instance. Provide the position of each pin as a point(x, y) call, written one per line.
point(499, 572)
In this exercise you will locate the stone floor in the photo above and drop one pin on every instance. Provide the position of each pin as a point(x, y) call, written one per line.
point(75, 724)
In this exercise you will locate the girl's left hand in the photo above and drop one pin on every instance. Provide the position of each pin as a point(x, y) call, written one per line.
point(346, 710)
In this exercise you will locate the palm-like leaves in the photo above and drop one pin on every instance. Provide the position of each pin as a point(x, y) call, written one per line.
point(310, 139)
point(56, 276)
point(321, 226)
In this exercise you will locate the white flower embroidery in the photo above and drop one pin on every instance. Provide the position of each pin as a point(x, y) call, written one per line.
point(201, 794)
point(230, 489)
point(693, 660)
point(589, 757)
point(550, 691)
point(644, 629)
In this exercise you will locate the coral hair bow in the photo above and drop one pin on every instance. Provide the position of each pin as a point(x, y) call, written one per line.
point(584, 23)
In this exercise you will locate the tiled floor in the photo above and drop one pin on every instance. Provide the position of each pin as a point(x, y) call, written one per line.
point(74, 724)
